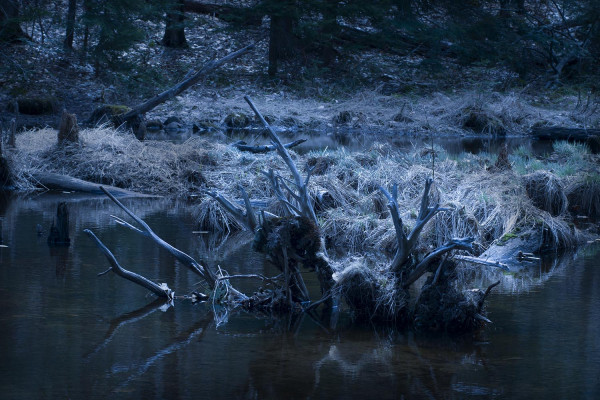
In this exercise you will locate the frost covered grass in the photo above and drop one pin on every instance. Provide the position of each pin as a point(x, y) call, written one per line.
point(345, 185)
point(490, 204)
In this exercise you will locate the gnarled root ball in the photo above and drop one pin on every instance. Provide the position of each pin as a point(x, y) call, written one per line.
point(441, 307)
point(298, 235)
point(372, 297)
point(268, 302)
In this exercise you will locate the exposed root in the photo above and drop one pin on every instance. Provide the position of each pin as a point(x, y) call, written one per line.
point(442, 307)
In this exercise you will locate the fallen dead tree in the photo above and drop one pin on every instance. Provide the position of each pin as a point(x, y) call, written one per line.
point(294, 243)
point(53, 181)
point(133, 118)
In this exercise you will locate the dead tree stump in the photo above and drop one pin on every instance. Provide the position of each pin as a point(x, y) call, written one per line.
point(68, 132)
point(12, 133)
point(59, 231)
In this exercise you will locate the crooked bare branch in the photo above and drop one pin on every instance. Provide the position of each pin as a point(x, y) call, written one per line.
point(159, 290)
point(305, 204)
point(290, 208)
point(182, 257)
point(402, 252)
point(246, 218)
point(485, 295)
point(407, 243)
point(422, 267)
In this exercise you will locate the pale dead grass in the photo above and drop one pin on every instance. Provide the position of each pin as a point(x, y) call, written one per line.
point(480, 203)
point(513, 113)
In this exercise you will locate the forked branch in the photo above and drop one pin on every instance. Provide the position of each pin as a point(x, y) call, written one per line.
point(182, 257)
point(246, 218)
point(407, 243)
point(423, 266)
point(301, 196)
point(159, 290)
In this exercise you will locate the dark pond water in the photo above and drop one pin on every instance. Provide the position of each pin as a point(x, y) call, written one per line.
point(353, 139)
point(66, 333)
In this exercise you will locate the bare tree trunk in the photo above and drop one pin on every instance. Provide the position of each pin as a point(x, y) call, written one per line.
point(281, 40)
point(10, 29)
point(225, 12)
point(70, 31)
point(174, 31)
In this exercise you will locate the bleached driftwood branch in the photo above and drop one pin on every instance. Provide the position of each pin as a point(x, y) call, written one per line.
point(159, 290)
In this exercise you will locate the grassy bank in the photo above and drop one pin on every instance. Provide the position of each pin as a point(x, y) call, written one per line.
point(491, 200)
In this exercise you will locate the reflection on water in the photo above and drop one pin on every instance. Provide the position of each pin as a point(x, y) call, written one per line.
point(352, 140)
point(69, 334)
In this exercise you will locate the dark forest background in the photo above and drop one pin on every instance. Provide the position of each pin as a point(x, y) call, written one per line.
point(559, 40)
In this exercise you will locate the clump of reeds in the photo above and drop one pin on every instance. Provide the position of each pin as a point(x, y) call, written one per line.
point(546, 192)
point(584, 195)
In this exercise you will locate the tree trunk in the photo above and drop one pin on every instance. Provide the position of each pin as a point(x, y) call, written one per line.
point(281, 40)
point(70, 31)
point(404, 8)
point(174, 30)
point(10, 29)
point(505, 8)
point(329, 30)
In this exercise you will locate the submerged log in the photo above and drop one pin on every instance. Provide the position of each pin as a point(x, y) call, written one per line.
point(243, 146)
point(59, 231)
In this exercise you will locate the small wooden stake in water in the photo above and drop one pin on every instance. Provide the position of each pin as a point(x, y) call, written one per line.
point(59, 231)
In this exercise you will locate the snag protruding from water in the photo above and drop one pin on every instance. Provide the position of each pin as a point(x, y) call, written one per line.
point(59, 231)
point(209, 277)
point(159, 290)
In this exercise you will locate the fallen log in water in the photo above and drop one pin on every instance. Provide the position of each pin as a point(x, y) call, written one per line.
point(243, 146)
point(52, 181)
